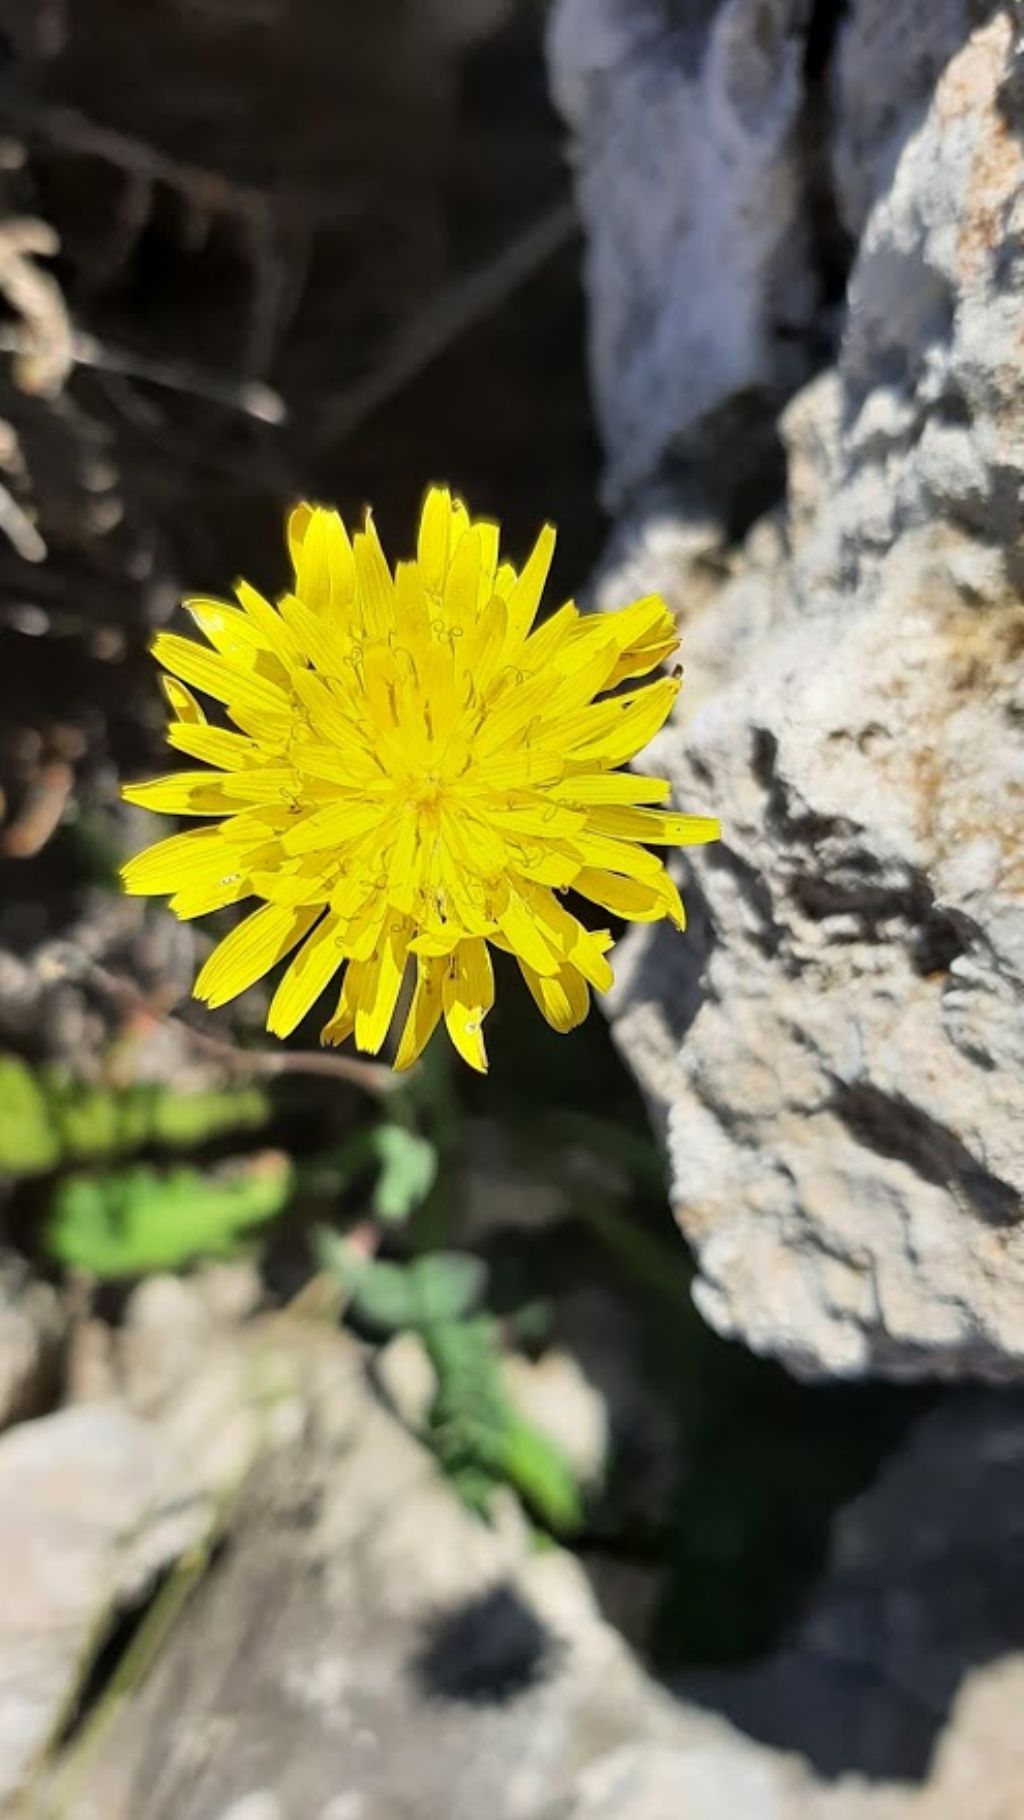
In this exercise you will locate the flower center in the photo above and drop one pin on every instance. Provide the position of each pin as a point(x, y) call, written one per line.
point(426, 792)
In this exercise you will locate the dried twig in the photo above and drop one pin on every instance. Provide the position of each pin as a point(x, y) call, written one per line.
point(19, 530)
point(372, 1077)
point(72, 131)
point(46, 802)
point(442, 323)
point(248, 396)
point(44, 353)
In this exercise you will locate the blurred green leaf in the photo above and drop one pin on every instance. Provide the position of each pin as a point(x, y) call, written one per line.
point(447, 1285)
point(405, 1164)
point(541, 1474)
point(29, 1144)
point(478, 1435)
point(47, 1117)
point(142, 1220)
point(479, 1438)
point(408, 1168)
point(438, 1288)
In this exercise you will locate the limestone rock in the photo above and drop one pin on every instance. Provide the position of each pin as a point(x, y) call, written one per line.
point(96, 1502)
point(31, 1334)
point(699, 277)
point(367, 1650)
point(74, 1488)
point(905, 1672)
point(836, 1048)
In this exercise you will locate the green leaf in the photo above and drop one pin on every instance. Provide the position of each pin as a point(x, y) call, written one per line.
point(29, 1143)
point(408, 1168)
point(429, 1291)
point(142, 1220)
point(478, 1435)
point(446, 1285)
point(47, 1117)
point(540, 1472)
point(385, 1295)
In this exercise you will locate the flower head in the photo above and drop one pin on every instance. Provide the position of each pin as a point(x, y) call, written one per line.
point(407, 774)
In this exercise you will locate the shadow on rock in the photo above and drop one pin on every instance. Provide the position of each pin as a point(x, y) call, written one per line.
point(486, 1651)
point(923, 1586)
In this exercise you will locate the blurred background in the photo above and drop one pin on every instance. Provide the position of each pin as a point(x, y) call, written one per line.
point(631, 1434)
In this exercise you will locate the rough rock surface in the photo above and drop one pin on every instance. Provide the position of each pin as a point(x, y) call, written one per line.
point(699, 275)
point(365, 1650)
point(96, 1502)
point(838, 1045)
point(31, 1332)
point(912, 1651)
point(74, 1487)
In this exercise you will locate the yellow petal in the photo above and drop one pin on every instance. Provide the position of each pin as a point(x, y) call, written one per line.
point(531, 768)
point(266, 620)
point(562, 997)
point(424, 1011)
point(342, 740)
point(609, 733)
point(645, 634)
point(183, 859)
point(373, 580)
point(251, 949)
point(613, 787)
point(340, 821)
point(432, 546)
point(324, 565)
point(637, 900)
point(215, 676)
point(343, 1022)
point(489, 535)
point(526, 936)
point(236, 637)
point(316, 632)
point(553, 637)
point(203, 900)
point(379, 986)
point(584, 948)
point(298, 524)
point(462, 583)
point(184, 793)
point(214, 745)
point(481, 649)
point(654, 825)
point(609, 855)
point(524, 596)
point(468, 994)
point(182, 701)
point(308, 974)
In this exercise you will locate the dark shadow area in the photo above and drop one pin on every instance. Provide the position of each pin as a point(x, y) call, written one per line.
point(486, 1652)
point(924, 1585)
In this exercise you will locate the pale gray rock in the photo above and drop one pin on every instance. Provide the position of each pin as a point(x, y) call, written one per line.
point(880, 93)
point(688, 177)
point(364, 1649)
point(31, 1335)
point(912, 1652)
point(96, 1502)
point(836, 1048)
point(74, 1490)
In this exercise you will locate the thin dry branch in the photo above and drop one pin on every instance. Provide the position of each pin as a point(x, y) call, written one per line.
point(44, 357)
point(209, 190)
point(250, 397)
point(442, 323)
point(371, 1077)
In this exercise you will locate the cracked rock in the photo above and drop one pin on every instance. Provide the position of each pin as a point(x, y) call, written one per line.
point(836, 1048)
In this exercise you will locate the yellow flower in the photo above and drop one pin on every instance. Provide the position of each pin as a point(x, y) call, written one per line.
point(412, 775)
